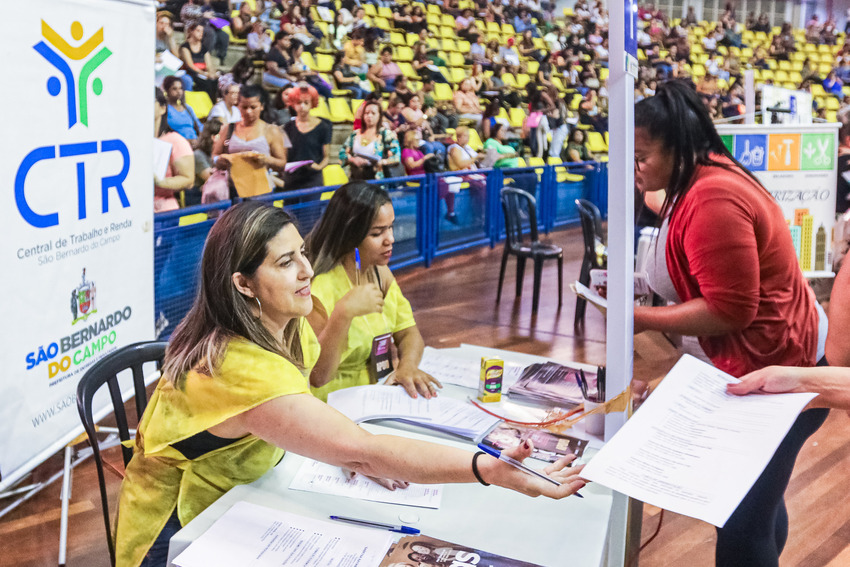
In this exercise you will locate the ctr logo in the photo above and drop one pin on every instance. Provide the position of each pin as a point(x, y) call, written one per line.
point(76, 91)
point(90, 55)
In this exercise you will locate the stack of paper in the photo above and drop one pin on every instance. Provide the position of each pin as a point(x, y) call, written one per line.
point(323, 478)
point(248, 534)
point(550, 383)
point(364, 403)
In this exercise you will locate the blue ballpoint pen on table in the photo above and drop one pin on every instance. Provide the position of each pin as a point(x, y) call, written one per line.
point(516, 464)
point(380, 525)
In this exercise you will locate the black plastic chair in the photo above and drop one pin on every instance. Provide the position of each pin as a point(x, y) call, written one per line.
point(591, 229)
point(105, 371)
point(517, 203)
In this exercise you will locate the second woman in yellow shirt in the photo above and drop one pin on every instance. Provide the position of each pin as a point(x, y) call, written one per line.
point(351, 307)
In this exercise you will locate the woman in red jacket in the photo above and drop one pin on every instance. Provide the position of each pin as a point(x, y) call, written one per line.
point(732, 280)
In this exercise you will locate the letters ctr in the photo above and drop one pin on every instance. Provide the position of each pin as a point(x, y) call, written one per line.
point(68, 150)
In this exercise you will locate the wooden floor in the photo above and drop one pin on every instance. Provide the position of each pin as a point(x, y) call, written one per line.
point(454, 302)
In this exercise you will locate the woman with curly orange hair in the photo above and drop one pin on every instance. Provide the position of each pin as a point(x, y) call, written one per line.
point(308, 140)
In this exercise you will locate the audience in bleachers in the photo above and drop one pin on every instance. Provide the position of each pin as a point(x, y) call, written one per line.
point(540, 77)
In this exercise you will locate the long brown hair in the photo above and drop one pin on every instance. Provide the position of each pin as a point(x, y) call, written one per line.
point(238, 242)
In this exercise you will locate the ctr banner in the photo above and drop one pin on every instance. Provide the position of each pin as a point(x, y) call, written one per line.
point(798, 165)
point(77, 212)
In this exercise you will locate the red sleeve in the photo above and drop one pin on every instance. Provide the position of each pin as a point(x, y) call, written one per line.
point(722, 253)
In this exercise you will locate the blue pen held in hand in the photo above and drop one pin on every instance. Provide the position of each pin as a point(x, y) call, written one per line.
point(516, 464)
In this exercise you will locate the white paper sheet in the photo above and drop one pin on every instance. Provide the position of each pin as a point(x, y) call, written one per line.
point(363, 403)
point(692, 448)
point(161, 157)
point(591, 296)
point(323, 478)
point(253, 535)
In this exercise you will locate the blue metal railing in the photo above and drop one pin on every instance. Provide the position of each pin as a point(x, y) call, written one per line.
point(423, 228)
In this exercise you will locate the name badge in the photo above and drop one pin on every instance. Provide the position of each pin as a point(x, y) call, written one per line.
point(381, 358)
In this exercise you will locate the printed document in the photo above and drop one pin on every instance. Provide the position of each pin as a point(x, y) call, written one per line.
point(323, 478)
point(692, 448)
point(454, 366)
point(248, 534)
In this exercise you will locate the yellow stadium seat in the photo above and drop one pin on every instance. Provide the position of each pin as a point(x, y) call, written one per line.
point(411, 39)
point(832, 103)
point(340, 111)
point(433, 20)
point(522, 79)
point(539, 43)
point(355, 105)
point(596, 143)
point(434, 9)
point(784, 65)
point(324, 63)
point(603, 73)
point(577, 98)
point(516, 117)
point(370, 9)
point(233, 39)
point(556, 80)
point(396, 38)
point(824, 69)
point(795, 77)
point(817, 90)
point(520, 162)
point(823, 48)
point(456, 75)
point(200, 103)
point(463, 46)
point(532, 67)
point(563, 176)
point(456, 59)
point(781, 76)
point(766, 75)
point(493, 27)
point(450, 46)
point(403, 53)
point(448, 32)
point(321, 111)
point(448, 20)
point(382, 23)
point(831, 116)
point(443, 92)
point(408, 70)
point(475, 140)
point(385, 12)
point(509, 80)
point(508, 30)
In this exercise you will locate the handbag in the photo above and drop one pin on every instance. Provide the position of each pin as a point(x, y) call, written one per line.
point(396, 169)
point(216, 188)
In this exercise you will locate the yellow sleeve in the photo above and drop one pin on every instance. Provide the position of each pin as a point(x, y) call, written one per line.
point(247, 377)
point(397, 310)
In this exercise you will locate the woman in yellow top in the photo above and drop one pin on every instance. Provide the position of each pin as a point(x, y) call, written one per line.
point(234, 396)
point(352, 307)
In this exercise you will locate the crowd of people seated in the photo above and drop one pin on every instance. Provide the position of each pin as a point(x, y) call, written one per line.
point(525, 80)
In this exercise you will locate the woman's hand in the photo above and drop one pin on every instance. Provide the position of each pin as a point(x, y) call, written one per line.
point(224, 161)
point(387, 483)
point(503, 474)
point(414, 381)
point(361, 300)
point(770, 380)
point(256, 157)
point(357, 161)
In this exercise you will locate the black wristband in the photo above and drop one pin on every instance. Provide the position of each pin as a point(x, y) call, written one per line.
point(475, 468)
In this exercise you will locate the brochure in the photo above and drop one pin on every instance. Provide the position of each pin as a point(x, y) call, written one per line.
point(424, 550)
point(548, 446)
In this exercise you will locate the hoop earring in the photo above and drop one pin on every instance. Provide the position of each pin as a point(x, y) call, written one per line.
point(260, 305)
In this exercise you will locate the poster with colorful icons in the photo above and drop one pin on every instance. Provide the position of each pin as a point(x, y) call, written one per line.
point(798, 166)
point(77, 214)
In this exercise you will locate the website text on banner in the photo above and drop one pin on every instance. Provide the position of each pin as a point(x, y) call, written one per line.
point(798, 165)
point(78, 222)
